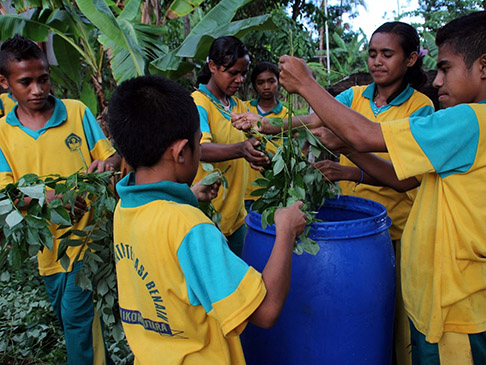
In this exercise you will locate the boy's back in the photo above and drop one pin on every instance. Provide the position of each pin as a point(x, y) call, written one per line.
point(184, 295)
point(173, 269)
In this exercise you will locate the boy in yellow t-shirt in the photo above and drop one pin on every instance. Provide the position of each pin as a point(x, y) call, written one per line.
point(184, 295)
point(443, 249)
point(37, 137)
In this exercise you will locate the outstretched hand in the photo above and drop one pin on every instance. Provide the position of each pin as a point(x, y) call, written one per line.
point(253, 156)
point(294, 74)
point(330, 140)
point(334, 171)
point(245, 121)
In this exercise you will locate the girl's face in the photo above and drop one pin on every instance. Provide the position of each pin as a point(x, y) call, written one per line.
point(229, 81)
point(266, 85)
point(387, 62)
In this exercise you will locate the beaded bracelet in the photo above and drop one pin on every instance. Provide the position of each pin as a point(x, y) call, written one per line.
point(360, 180)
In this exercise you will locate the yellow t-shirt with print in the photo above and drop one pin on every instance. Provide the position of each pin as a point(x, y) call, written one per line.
point(443, 263)
point(408, 102)
point(52, 149)
point(216, 128)
point(279, 111)
point(184, 296)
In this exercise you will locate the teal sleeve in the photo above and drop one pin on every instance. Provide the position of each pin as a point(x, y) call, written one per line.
point(4, 166)
point(423, 111)
point(203, 119)
point(92, 129)
point(346, 97)
point(212, 270)
point(449, 138)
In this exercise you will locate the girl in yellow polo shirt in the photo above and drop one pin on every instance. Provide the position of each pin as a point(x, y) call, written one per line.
point(264, 79)
point(222, 145)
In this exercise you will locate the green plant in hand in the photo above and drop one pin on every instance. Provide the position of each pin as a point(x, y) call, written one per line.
point(26, 231)
point(210, 179)
point(292, 177)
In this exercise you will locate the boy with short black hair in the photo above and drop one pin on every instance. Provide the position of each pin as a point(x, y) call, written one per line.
point(45, 135)
point(184, 295)
point(444, 241)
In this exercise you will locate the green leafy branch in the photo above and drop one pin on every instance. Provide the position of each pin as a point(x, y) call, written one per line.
point(293, 177)
point(26, 231)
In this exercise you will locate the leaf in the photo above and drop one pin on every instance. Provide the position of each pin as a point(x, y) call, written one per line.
point(65, 262)
point(309, 246)
point(88, 97)
point(110, 204)
point(102, 288)
point(67, 59)
point(5, 206)
point(74, 243)
point(98, 235)
point(14, 218)
point(35, 192)
point(211, 178)
point(207, 166)
point(60, 216)
point(278, 166)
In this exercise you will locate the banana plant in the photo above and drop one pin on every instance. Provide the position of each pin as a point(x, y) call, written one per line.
point(217, 22)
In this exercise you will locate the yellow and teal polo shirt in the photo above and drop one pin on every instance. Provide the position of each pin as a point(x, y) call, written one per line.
point(409, 102)
point(216, 128)
point(184, 296)
point(279, 111)
point(7, 102)
point(443, 262)
point(56, 148)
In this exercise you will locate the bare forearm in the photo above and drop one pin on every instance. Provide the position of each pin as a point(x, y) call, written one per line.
point(276, 277)
point(213, 152)
point(379, 171)
point(353, 128)
point(309, 120)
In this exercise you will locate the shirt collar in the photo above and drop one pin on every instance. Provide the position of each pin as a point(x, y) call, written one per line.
point(59, 115)
point(276, 110)
point(398, 100)
point(132, 196)
point(206, 91)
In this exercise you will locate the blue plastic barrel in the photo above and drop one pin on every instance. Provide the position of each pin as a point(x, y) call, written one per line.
point(341, 302)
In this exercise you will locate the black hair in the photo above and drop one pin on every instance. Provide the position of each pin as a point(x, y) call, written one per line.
point(224, 51)
point(18, 49)
point(262, 67)
point(466, 36)
point(147, 114)
point(410, 42)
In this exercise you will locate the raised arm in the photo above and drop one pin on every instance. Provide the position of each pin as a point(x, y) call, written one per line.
point(213, 152)
point(353, 128)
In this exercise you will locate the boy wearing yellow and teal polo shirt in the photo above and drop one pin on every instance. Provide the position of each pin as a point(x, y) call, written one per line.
point(443, 244)
point(7, 102)
point(44, 135)
point(184, 295)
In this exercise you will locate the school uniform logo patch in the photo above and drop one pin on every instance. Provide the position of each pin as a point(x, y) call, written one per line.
point(73, 142)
